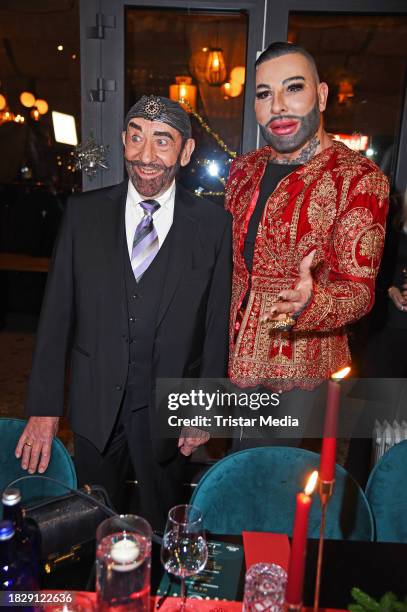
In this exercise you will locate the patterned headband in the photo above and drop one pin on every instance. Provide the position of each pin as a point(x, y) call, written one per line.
point(158, 108)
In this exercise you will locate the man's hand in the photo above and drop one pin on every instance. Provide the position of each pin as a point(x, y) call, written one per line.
point(398, 298)
point(292, 301)
point(34, 445)
point(190, 439)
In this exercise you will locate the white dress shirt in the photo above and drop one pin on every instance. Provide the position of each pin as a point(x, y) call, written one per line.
point(162, 218)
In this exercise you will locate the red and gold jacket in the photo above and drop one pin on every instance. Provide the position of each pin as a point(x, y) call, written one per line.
point(336, 204)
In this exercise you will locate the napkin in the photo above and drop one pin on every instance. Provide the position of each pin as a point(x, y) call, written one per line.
point(262, 547)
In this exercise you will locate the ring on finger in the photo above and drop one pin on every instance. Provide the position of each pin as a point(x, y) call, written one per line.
point(28, 444)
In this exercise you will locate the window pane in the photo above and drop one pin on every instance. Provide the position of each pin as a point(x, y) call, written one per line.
point(40, 58)
point(363, 60)
point(163, 46)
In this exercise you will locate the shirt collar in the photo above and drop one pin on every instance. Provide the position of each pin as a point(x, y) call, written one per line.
point(164, 199)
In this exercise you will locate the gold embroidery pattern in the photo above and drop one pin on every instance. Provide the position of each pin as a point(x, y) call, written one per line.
point(310, 209)
point(371, 242)
point(355, 231)
point(322, 208)
point(374, 183)
point(344, 302)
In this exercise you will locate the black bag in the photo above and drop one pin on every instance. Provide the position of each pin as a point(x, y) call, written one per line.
point(68, 523)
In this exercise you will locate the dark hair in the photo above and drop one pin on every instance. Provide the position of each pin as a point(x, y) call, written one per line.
point(277, 49)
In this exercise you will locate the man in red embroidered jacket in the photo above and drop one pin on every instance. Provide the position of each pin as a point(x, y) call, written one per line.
point(308, 231)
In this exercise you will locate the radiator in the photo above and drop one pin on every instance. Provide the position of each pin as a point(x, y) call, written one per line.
point(385, 436)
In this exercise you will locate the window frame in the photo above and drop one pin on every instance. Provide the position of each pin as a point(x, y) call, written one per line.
point(104, 58)
point(277, 19)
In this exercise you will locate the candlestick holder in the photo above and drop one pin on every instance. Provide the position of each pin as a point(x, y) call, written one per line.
point(326, 488)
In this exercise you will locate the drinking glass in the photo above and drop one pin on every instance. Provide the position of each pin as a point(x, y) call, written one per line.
point(123, 564)
point(264, 589)
point(184, 551)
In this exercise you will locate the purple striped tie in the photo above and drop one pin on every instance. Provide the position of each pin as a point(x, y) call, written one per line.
point(145, 243)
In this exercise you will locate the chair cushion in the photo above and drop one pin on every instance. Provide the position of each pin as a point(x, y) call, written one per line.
point(386, 491)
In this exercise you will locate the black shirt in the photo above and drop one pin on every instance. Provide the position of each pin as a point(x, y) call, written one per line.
point(273, 174)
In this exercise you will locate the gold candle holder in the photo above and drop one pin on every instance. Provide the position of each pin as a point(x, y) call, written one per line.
point(326, 488)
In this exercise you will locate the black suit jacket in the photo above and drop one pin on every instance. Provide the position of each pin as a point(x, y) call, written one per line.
point(85, 308)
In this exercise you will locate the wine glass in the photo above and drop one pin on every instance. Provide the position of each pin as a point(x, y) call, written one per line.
point(184, 550)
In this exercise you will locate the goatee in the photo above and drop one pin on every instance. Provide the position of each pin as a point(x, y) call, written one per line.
point(150, 187)
point(309, 125)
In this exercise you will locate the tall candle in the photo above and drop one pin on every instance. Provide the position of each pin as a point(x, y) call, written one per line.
point(296, 566)
point(328, 452)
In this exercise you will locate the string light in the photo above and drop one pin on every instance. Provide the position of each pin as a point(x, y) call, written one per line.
point(208, 129)
point(209, 194)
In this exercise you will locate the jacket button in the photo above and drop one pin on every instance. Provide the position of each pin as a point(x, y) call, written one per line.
point(118, 387)
point(135, 296)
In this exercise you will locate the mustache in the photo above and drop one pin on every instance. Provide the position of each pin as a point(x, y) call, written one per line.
point(283, 118)
point(140, 164)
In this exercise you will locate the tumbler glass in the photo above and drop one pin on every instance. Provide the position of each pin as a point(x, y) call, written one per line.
point(264, 589)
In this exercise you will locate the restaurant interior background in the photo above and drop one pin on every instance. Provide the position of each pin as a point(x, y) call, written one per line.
point(77, 65)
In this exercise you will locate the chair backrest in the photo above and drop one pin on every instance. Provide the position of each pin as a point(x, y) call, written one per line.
point(255, 490)
point(386, 491)
point(60, 466)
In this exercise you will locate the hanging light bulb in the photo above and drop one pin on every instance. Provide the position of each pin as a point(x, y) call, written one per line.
point(42, 106)
point(215, 73)
point(27, 99)
point(183, 89)
point(238, 74)
point(225, 89)
point(3, 102)
point(231, 89)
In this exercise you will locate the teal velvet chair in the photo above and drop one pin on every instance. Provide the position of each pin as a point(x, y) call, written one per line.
point(255, 490)
point(386, 491)
point(60, 467)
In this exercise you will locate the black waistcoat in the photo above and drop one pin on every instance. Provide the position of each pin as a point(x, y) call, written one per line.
point(143, 300)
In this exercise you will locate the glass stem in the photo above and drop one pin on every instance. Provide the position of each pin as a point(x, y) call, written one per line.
point(183, 594)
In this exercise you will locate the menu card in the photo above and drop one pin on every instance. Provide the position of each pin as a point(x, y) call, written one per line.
point(218, 580)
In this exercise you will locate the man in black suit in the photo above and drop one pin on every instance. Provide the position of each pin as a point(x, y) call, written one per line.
point(138, 289)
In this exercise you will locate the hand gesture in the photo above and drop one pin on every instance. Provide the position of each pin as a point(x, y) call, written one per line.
point(292, 301)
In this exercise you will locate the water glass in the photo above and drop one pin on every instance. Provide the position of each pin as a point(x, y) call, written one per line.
point(264, 589)
point(123, 564)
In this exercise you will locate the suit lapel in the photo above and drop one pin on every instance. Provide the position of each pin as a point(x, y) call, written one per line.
point(182, 239)
point(112, 237)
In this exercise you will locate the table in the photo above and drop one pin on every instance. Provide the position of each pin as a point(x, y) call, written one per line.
point(374, 567)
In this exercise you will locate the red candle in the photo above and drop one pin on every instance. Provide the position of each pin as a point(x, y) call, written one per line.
point(293, 594)
point(328, 452)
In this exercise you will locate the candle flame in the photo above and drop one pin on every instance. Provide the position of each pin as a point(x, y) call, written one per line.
point(311, 483)
point(341, 373)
